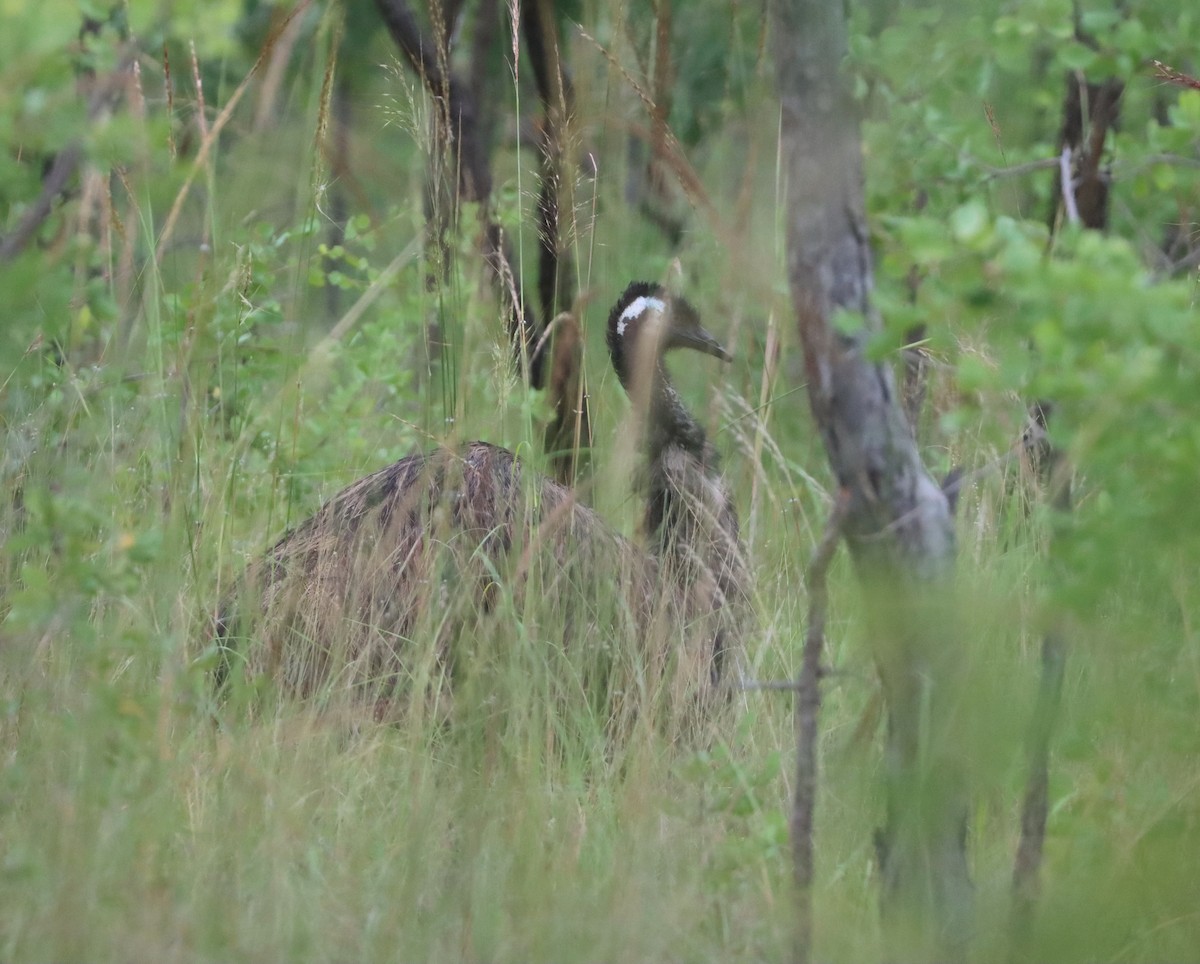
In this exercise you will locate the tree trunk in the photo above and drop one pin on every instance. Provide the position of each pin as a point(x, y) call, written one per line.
point(568, 436)
point(1081, 191)
point(898, 524)
point(459, 149)
point(1090, 111)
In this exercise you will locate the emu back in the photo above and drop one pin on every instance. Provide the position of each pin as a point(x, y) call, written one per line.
point(412, 577)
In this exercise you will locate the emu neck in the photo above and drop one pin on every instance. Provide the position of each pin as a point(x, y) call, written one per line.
point(691, 518)
point(671, 425)
point(678, 459)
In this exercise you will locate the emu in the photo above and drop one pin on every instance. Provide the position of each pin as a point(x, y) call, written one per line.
point(441, 542)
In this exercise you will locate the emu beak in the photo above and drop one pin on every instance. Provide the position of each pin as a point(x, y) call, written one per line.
point(700, 340)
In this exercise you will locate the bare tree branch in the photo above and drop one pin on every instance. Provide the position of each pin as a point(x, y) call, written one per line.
point(1035, 807)
point(54, 185)
point(555, 274)
point(568, 437)
point(807, 713)
point(1090, 111)
point(105, 94)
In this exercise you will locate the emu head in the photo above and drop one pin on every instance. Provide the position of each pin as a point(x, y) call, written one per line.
point(647, 322)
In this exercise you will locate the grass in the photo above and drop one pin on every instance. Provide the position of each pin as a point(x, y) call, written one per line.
point(159, 449)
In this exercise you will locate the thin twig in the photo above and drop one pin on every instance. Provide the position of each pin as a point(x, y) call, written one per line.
point(1186, 263)
point(770, 685)
point(791, 686)
point(1029, 167)
point(808, 708)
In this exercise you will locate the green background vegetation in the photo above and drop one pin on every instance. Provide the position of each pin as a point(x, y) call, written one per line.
point(165, 417)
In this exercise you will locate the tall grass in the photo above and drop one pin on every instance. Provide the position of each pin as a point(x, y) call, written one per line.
point(148, 458)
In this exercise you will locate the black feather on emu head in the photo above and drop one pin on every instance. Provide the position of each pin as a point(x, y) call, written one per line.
point(647, 318)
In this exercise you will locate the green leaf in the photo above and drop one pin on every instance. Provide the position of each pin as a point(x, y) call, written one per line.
point(1075, 56)
point(969, 222)
point(1186, 112)
point(974, 374)
point(848, 323)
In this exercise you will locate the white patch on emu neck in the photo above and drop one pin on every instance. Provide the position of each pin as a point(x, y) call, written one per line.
point(636, 307)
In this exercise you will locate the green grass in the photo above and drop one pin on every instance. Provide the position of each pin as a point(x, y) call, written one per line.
point(171, 440)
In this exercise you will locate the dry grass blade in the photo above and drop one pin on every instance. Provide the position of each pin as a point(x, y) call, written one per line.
point(672, 153)
point(1173, 76)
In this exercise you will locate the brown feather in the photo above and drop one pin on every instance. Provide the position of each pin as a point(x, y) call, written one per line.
point(391, 588)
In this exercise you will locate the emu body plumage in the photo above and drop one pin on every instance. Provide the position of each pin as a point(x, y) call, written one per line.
point(394, 582)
